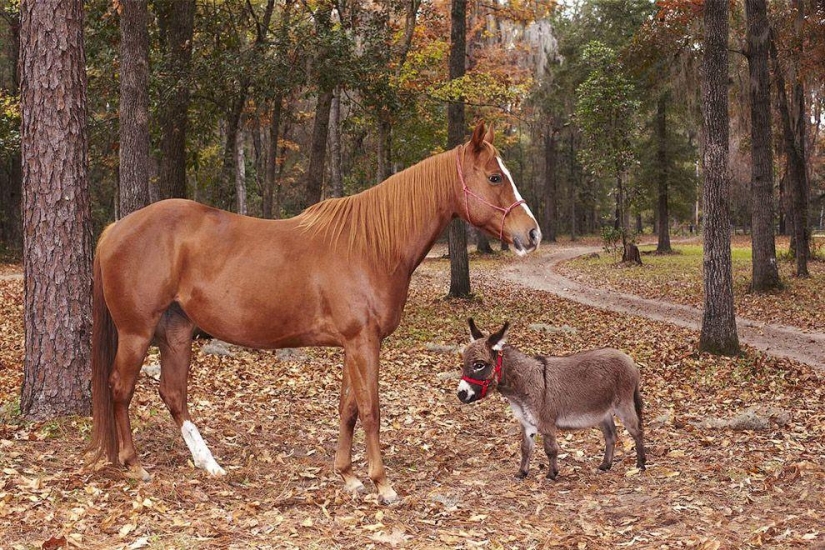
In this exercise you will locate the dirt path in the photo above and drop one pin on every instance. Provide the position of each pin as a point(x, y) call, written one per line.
point(11, 276)
point(536, 271)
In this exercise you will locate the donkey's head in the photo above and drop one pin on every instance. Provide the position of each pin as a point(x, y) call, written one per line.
point(490, 200)
point(481, 363)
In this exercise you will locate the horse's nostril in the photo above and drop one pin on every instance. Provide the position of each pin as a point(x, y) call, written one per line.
point(535, 236)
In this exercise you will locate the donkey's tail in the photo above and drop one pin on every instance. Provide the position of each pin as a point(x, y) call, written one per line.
point(104, 348)
point(637, 402)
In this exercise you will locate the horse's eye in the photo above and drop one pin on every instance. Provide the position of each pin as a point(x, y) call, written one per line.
point(478, 366)
point(495, 178)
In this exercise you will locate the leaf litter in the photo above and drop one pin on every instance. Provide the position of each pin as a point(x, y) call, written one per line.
point(272, 424)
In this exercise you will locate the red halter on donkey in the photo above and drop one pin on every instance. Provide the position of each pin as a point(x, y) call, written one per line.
point(176, 264)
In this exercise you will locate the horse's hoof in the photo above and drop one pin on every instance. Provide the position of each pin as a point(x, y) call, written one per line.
point(387, 495)
point(354, 486)
point(137, 472)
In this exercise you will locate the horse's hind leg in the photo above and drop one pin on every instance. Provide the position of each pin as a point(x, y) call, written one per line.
point(608, 428)
point(347, 416)
point(131, 350)
point(174, 338)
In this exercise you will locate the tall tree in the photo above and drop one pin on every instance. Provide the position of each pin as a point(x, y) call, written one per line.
point(176, 19)
point(765, 270)
point(662, 214)
point(718, 321)
point(134, 106)
point(457, 235)
point(11, 175)
point(57, 236)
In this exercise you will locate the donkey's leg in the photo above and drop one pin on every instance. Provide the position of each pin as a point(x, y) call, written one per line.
point(347, 416)
point(608, 428)
point(528, 443)
point(551, 449)
point(362, 364)
point(174, 338)
point(131, 350)
point(632, 421)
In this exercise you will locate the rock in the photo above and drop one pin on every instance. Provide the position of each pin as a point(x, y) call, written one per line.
point(443, 348)
point(291, 354)
point(756, 418)
point(592, 256)
point(152, 371)
point(449, 375)
point(550, 329)
point(217, 347)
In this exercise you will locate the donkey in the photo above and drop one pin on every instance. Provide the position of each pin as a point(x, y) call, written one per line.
point(579, 391)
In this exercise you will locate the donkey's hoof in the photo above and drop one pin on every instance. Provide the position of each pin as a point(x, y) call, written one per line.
point(552, 475)
point(605, 466)
point(521, 474)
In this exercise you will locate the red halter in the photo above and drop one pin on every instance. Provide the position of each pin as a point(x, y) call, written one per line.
point(485, 384)
point(468, 192)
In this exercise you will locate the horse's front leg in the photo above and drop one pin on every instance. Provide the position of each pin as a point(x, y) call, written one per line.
point(361, 363)
point(348, 415)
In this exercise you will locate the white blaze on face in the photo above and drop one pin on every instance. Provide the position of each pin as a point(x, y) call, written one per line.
point(466, 387)
point(201, 455)
point(515, 191)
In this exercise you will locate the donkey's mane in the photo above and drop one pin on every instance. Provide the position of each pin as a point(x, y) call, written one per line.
point(378, 222)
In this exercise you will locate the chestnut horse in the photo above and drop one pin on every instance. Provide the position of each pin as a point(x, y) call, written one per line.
point(335, 275)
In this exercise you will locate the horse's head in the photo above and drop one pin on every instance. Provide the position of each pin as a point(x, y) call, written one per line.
point(489, 198)
point(481, 363)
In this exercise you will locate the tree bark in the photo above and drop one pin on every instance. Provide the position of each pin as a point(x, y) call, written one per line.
point(456, 125)
point(336, 180)
point(11, 173)
point(176, 19)
point(240, 174)
point(483, 242)
point(550, 186)
point(57, 236)
point(765, 273)
point(384, 146)
point(718, 333)
point(318, 149)
point(134, 107)
point(662, 214)
point(267, 199)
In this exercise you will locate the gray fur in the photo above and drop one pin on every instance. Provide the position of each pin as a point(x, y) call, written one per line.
point(546, 393)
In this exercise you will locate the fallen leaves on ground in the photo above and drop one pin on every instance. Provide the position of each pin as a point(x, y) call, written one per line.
point(272, 424)
point(678, 278)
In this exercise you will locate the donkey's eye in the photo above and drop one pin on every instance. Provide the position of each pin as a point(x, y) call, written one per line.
point(478, 366)
point(495, 179)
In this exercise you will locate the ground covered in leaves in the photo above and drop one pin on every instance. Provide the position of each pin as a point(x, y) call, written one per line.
point(271, 421)
point(678, 278)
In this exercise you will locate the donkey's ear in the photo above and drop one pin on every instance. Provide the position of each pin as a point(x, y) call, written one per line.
point(496, 341)
point(477, 141)
point(474, 332)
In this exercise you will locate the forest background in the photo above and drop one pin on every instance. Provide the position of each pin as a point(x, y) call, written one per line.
point(265, 106)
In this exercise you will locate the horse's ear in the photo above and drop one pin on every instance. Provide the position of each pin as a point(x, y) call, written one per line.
point(496, 341)
point(474, 332)
point(488, 137)
point(477, 141)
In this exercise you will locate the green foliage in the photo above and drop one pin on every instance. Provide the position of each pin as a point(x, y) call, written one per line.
point(9, 124)
point(605, 111)
point(612, 240)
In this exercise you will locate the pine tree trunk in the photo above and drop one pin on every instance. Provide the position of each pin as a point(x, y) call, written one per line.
point(267, 198)
point(718, 333)
point(318, 150)
point(336, 179)
point(456, 126)
point(662, 214)
point(134, 107)
point(240, 174)
point(550, 187)
point(483, 242)
point(764, 268)
point(57, 237)
point(176, 19)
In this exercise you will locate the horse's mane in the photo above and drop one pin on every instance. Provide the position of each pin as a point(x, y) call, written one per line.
point(379, 221)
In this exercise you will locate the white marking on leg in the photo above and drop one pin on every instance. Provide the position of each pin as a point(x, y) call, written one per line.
point(465, 386)
point(201, 455)
point(515, 190)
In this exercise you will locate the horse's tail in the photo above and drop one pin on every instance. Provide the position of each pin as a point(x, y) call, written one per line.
point(637, 402)
point(104, 348)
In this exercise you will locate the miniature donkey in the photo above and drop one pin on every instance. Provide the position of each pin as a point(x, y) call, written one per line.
point(579, 391)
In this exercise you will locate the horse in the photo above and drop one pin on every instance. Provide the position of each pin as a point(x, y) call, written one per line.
point(337, 274)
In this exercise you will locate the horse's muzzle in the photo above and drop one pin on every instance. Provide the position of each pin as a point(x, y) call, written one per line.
point(525, 245)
